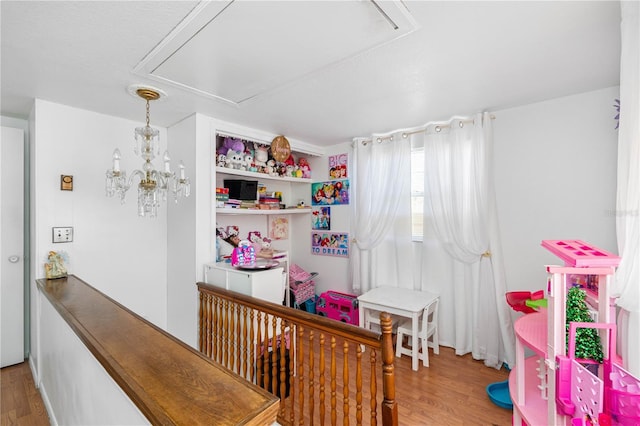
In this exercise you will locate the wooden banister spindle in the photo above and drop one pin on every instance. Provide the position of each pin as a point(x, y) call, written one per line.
point(252, 346)
point(389, 405)
point(225, 333)
point(274, 355)
point(322, 408)
point(292, 361)
point(334, 413)
point(300, 350)
point(232, 337)
point(345, 383)
point(358, 385)
point(373, 388)
point(283, 368)
point(208, 339)
point(245, 343)
point(260, 349)
point(312, 337)
point(215, 340)
point(201, 331)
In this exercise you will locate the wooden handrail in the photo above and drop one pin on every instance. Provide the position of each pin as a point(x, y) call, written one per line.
point(358, 334)
point(305, 353)
point(162, 387)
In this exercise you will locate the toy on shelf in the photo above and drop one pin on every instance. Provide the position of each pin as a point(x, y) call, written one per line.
point(244, 254)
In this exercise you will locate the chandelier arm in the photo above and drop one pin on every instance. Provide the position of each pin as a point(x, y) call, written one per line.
point(138, 173)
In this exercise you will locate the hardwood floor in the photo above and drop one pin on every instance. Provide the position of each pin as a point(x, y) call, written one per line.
point(450, 392)
point(20, 401)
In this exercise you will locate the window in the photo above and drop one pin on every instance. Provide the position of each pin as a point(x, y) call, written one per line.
point(417, 193)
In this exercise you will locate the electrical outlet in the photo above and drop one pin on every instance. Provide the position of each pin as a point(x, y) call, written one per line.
point(63, 235)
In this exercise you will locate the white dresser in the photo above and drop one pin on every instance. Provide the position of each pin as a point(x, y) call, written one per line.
point(268, 284)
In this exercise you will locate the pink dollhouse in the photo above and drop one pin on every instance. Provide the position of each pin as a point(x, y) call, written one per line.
point(551, 387)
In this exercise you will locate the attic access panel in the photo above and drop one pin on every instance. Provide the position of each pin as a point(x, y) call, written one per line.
point(239, 50)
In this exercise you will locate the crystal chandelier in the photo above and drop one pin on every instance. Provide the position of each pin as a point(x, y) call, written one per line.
point(154, 184)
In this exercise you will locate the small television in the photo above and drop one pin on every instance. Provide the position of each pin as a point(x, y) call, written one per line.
point(240, 189)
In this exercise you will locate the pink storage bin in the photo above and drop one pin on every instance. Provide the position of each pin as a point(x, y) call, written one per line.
point(301, 284)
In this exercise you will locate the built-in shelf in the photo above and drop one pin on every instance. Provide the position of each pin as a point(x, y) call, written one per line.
point(262, 212)
point(244, 173)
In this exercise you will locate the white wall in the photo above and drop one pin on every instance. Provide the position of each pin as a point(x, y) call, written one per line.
point(75, 387)
point(113, 249)
point(334, 271)
point(189, 226)
point(555, 172)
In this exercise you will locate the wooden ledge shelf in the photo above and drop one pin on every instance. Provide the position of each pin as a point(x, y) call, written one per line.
point(170, 382)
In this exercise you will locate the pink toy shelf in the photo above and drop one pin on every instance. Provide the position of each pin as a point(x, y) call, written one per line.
point(580, 254)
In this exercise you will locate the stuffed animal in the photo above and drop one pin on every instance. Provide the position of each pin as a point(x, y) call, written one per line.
point(222, 160)
point(249, 164)
point(271, 168)
point(289, 170)
point(256, 239)
point(231, 144)
point(261, 156)
point(234, 160)
point(306, 169)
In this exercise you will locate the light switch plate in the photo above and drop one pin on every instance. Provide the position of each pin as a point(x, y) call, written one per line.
point(63, 234)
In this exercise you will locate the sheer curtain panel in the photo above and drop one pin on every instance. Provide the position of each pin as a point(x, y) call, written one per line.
point(461, 232)
point(381, 213)
point(628, 191)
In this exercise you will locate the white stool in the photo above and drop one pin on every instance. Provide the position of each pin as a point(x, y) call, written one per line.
point(427, 334)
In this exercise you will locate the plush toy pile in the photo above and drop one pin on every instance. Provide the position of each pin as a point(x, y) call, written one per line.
point(235, 153)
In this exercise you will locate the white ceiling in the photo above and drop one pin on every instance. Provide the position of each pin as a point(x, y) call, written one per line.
point(321, 72)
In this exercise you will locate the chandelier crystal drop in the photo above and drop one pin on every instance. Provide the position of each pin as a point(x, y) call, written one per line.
point(153, 184)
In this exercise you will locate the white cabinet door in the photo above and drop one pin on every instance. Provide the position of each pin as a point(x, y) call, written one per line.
point(267, 285)
point(12, 247)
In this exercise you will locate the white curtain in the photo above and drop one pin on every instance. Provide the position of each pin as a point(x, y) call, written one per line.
point(465, 264)
point(627, 284)
point(381, 213)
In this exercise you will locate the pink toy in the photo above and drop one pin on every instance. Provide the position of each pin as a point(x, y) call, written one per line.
point(581, 394)
point(580, 254)
point(301, 284)
point(339, 306)
point(243, 255)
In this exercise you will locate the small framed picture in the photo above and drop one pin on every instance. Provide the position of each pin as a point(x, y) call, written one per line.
point(279, 228)
point(66, 182)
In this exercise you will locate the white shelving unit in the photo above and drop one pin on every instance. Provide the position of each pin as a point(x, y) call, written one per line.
point(258, 212)
point(293, 190)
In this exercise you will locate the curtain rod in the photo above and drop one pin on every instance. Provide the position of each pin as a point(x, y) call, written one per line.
point(438, 128)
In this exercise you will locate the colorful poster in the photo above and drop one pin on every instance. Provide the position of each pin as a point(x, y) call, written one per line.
point(335, 192)
point(321, 219)
point(338, 166)
point(278, 228)
point(330, 244)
